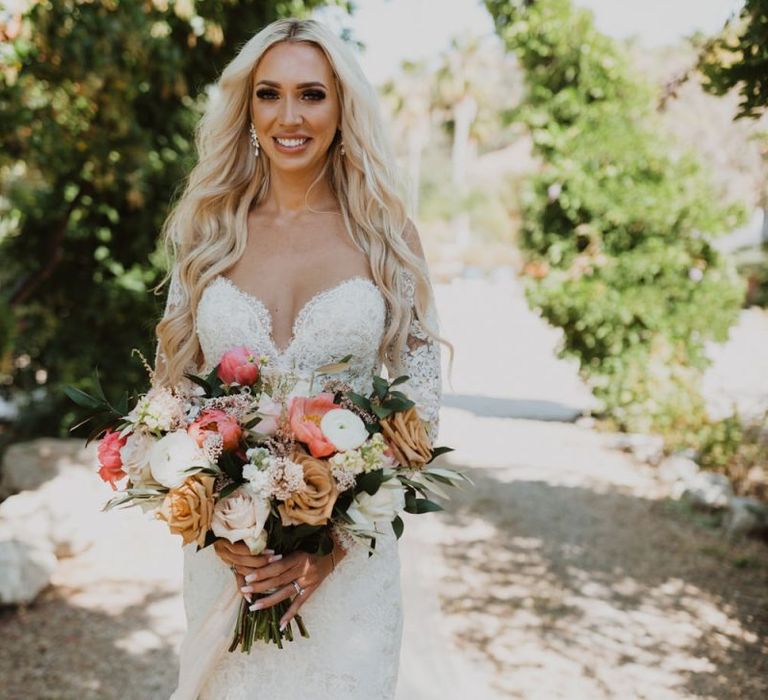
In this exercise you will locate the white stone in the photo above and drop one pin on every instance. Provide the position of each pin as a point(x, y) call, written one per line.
point(747, 516)
point(28, 465)
point(60, 515)
point(25, 569)
point(677, 468)
point(708, 490)
point(645, 447)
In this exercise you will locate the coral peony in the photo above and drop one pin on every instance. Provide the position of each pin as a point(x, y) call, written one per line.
point(304, 416)
point(109, 457)
point(214, 420)
point(239, 365)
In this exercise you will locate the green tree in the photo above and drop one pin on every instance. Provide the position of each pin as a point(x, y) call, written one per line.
point(738, 58)
point(99, 100)
point(618, 223)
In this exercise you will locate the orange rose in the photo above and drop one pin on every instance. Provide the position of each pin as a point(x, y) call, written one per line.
point(406, 434)
point(188, 509)
point(312, 505)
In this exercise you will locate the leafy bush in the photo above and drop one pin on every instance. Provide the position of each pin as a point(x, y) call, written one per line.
point(738, 449)
point(618, 225)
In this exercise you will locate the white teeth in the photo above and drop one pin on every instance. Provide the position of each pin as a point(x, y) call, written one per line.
point(291, 143)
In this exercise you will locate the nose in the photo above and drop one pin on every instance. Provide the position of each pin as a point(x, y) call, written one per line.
point(290, 114)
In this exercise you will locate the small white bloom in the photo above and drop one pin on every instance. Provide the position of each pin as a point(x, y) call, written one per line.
point(259, 480)
point(343, 428)
point(385, 504)
point(157, 410)
point(171, 455)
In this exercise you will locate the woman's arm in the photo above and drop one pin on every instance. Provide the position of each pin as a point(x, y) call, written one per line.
point(421, 354)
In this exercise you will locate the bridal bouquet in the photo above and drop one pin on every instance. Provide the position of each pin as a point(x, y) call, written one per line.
point(258, 455)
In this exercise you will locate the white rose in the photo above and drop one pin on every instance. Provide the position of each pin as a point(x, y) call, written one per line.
point(241, 516)
point(344, 429)
point(385, 504)
point(270, 411)
point(171, 455)
point(135, 457)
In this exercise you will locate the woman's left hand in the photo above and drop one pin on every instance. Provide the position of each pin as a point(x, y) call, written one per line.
point(308, 570)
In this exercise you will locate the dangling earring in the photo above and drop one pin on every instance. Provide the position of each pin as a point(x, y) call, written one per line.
point(342, 149)
point(254, 140)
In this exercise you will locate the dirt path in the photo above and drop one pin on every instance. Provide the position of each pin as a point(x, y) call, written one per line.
point(566, 574)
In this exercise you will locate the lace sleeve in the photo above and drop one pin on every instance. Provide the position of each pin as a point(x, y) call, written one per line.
point(174, 299)
point(420, 358)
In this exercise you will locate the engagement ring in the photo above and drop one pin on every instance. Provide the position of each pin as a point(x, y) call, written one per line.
point(298, 587)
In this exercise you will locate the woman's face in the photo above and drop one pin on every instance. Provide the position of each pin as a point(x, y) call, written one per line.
point(295, 106)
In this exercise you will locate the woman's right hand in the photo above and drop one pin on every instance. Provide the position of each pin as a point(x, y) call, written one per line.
point(240, 556)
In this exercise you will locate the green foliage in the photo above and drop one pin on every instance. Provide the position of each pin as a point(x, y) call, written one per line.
point(738, 58)
point(738, 449)
point(100, 99)
point(621, 221)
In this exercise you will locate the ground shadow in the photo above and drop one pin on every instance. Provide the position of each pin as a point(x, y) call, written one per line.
point(53, 649)
point(527, 409)
point(600, 578)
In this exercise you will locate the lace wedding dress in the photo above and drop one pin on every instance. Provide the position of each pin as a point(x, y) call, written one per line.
point(354, 618)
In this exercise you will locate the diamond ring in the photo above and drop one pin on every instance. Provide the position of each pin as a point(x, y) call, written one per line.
point(298, 587)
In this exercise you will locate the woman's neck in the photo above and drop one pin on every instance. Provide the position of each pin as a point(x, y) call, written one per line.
point(287, 195)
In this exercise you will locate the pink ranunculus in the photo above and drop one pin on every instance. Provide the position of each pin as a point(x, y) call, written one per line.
point(214, 420)
point(239, 365)
point(109, 457)
point(304, 416)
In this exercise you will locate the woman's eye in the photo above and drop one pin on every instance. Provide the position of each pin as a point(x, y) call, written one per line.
point(315, 94)
point(266, 94)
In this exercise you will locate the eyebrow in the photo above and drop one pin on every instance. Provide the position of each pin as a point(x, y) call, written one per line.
point(314, 83)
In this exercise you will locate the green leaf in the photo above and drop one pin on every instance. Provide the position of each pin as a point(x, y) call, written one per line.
point(437, 451)
point(81, 398)
point(380, 387)
point(397, 526)
point(424, 505)
point(370, 481)
point(229, 488)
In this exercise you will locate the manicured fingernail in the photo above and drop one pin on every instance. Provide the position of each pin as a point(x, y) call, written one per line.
point(268, 551)
point(246, 589)
point(282, 625)
point(250, 577)
point(256, 606)
point(275, 557)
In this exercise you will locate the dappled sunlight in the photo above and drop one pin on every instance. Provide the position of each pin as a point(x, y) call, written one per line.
point(580, 593)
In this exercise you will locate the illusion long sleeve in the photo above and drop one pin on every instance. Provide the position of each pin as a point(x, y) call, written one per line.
point(172, 302)
point(421, 361)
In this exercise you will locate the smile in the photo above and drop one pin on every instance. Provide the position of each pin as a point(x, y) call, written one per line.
point(291, 145)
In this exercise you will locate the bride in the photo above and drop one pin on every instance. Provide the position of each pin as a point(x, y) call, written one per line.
point(290, 238)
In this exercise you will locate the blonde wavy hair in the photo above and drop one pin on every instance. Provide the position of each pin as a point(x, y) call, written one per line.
point(206, 231)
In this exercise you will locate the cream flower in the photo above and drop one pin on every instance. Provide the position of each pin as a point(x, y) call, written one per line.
point(241, 516)
point(344, 429)
point(385, 504)
point(135, 457)
point(172, 454)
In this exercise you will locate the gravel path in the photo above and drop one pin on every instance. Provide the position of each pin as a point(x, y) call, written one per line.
point(564, 573)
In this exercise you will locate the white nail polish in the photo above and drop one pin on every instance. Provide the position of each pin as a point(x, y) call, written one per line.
point(275, 557)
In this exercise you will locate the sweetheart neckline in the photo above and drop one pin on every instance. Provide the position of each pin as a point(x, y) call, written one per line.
point(302, 312)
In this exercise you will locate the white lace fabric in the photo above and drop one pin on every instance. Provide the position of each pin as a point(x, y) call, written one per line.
point(355, 616)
